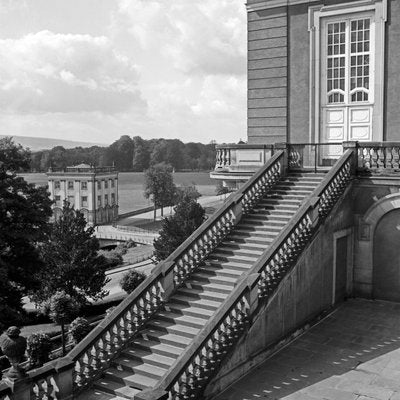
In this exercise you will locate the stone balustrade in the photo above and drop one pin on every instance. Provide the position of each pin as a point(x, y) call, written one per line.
point(238, 162)
point(378, 156)
point(86, 362)
point(191, 372)
point(236, 157)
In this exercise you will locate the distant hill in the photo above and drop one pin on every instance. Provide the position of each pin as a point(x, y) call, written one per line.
point(36, 144)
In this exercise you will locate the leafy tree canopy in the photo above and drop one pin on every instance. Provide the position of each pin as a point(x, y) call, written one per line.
point(72, 262)
point(24, 213)
point(130, 154)
point(159, 185)
point(188, 216)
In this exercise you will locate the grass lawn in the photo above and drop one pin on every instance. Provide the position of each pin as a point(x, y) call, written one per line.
point(50, 328)
point(130, 186)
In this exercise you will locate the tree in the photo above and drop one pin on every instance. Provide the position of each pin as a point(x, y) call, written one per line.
point(24, 214)
point(159, 186)
point(78, 329)
point(189, 215)
point(120, 153)
point(61, 308)
point(131, 280)
point(72, 262)
point(39, 347)
point(141, 155)
point(186, 190)
point(159, 152)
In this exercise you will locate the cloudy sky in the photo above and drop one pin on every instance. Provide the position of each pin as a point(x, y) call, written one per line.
point(93, 70)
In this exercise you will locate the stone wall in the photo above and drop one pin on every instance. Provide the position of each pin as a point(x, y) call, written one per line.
point(374, 197)
point(392, 76)
point(303, 294)
point(267, 76)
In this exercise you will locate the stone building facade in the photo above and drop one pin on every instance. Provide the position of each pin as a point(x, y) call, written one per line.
point(321, 72)
point(92, 190)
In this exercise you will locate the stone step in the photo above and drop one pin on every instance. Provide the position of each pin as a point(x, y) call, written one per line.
point(290, 192)
point(248, 238)
point(157, 348)
point(192, 311)
point(215, 288)
point(146, 356)
point(203, 293)
point(304, 178)
point(239, 243)
point(270, 200)
point(100, 395)
point(261, 231)
point(115, 388)
point(239, 251)
point(273, 208)
point(231, 265)
point(223, 271)
point(196, 301)
point(162, 336)
point(270, 212)
point(255, 219)
point(202, 276)
point(173, 328)
point(139, 367)
point(182, 319)
point(284, 196)
point(129, 379)
point(248, 227)
point(295, 186)
point(230, 257)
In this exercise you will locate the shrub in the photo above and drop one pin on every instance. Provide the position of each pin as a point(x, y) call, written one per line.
point(39, 347)
point(78, 329)
point(113, 258)
point(61, 308)
point(131, 280)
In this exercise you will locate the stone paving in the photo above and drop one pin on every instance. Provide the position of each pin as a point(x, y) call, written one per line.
point(353, 354)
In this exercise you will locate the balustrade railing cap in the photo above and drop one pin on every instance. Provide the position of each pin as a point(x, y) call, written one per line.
point(64, 363)
point(252, 280)
point(349, 144)
point(152, 394)
point(42, 371)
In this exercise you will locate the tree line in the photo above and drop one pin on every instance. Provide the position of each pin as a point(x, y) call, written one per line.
point(130, 154)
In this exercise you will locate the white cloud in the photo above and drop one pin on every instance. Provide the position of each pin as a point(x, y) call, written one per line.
point(159, 69)
point(204, 37)
point(48, 72)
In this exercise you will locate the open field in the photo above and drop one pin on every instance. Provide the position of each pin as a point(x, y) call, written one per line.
point(131, 186)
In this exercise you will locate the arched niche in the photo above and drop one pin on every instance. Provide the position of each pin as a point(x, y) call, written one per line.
point(364, 273)
point(386, 257)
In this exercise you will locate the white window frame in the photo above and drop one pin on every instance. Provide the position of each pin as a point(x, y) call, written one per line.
point(316, 14)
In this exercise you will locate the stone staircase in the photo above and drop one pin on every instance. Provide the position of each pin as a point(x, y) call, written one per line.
point(154, 350)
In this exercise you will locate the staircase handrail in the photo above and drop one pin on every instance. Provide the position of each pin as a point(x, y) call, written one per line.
point(284, 251)
point(235, 310)
point(291, 241)
point(94, 353)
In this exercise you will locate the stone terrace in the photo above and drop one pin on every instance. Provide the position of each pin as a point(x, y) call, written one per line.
point(353, 354)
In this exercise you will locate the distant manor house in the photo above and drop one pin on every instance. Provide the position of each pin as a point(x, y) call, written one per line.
point(92, 190)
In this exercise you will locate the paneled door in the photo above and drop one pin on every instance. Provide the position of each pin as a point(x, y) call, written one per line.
point(347, 80)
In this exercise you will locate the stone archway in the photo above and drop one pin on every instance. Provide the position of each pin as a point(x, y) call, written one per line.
point(367, 253)
point(386, 257)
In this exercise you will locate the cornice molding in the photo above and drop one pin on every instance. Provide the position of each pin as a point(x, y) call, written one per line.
point(268, 4)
